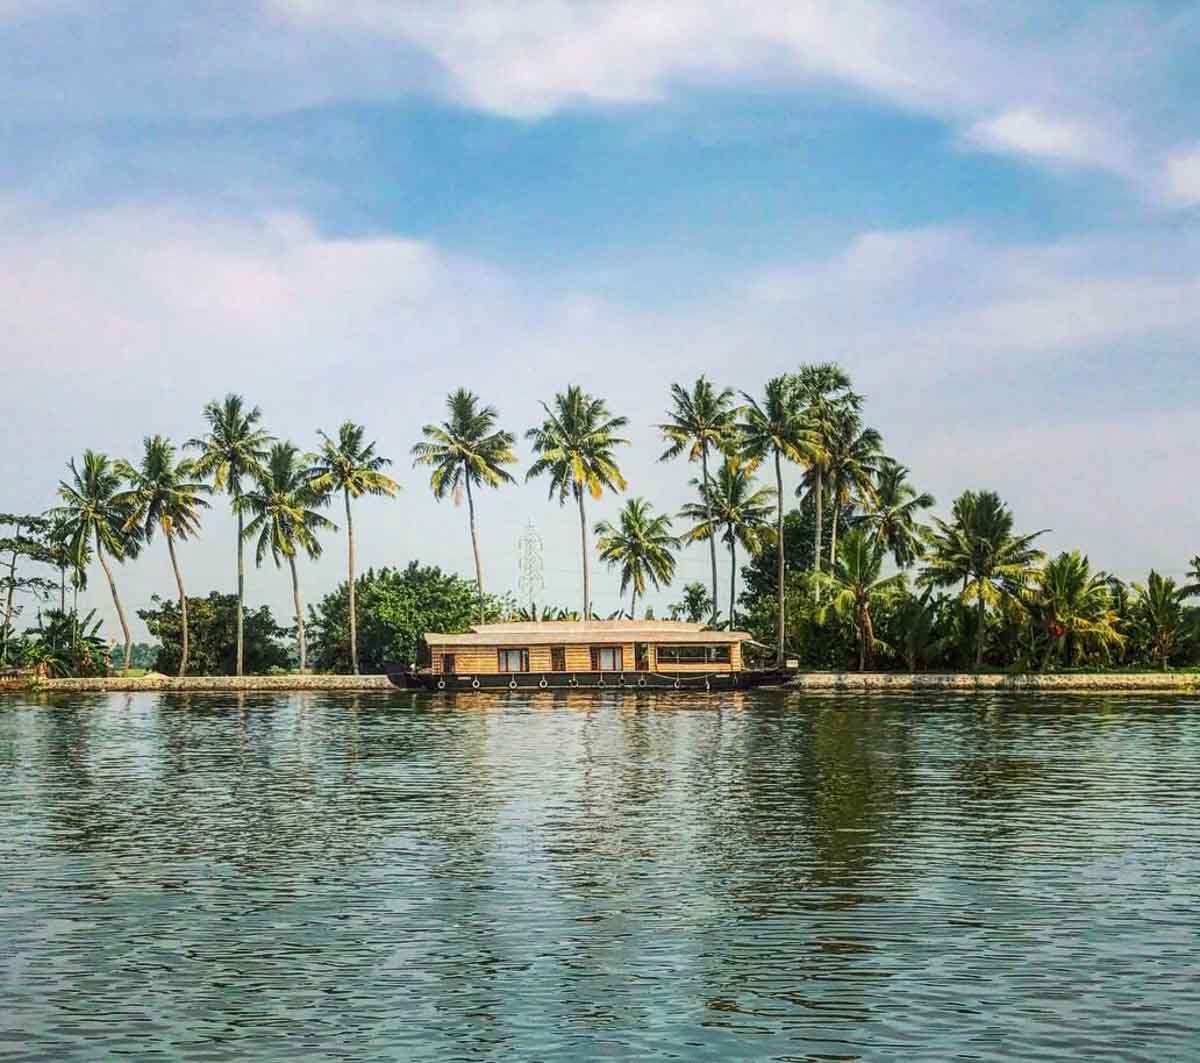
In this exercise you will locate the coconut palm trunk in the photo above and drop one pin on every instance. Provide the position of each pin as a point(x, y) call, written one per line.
point(819, 499)
point(583, 542)
point(633, 604)
point(980, 617)
point(475, 546)
point(112, 586)
point(303, 645)
point(779, 554)
point(1049, 654)
point(866, 636)
point(353, 608)
point(732, 579)
point(183, 616)
point(712, 539)
point(241, 569)
point(833, 523)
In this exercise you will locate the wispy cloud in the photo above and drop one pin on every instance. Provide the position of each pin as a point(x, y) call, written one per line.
point(130, 318)
point(1029, 132)
point(1183, 176)
point(1014, 78)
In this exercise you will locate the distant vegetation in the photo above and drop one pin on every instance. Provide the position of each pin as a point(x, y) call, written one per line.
point(856, 571)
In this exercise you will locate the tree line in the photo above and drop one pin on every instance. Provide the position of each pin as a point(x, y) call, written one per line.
point(871, 581)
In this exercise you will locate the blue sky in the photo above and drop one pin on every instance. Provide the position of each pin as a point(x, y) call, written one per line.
point(988, 212)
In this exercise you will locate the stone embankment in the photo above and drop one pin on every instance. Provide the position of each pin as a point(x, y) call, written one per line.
point(809, 681)
point(220, 683)
point(987, 682)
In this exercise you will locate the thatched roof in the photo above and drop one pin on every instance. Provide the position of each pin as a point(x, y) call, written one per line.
point(584, 632)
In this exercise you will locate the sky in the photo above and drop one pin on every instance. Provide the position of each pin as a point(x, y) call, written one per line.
point(989, 213)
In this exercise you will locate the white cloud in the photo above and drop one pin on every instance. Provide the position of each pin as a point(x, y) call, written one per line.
point(1028, 132)
point(1183, 177)
point(940, 298)
point(120, 323)
point(1012, 78)
point(999, 74)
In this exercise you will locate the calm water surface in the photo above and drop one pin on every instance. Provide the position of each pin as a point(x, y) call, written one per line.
point(769, 876)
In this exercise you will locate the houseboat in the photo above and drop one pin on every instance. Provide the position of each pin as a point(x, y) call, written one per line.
point(593, 654)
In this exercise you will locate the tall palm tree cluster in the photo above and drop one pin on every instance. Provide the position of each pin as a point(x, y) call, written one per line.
point(113, 508)
point(867, 535)
point(811, 419)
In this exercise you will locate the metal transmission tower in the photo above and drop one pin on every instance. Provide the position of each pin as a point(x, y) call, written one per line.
point(530, 583)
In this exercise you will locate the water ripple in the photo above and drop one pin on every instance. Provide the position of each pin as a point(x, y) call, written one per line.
point(761, 876)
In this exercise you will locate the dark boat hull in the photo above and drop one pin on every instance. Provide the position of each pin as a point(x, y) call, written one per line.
point(629, 682)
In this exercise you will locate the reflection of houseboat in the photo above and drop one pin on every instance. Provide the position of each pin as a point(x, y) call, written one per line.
point(567, 655)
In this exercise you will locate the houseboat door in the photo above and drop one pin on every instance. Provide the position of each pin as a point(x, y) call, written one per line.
point(448, 663)
point(641, 656)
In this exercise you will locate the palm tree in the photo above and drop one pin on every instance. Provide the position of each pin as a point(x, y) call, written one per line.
point(856, 586)
point(72, 568)
point(920, 638)
point(95, 519)
point(467, 448)
point(732, 508)
point(163, 495)
point(1158, 616)
point(694, 606)
point(892, 508)
point(701, 421)
point(281, 518)
point(231, 452)
point(642, 545)
point(775, 428)
point(979, 550)
point(1192, 587)
point(852, 453)
point(1073, 607)
point(58, 553)
point(824, 390)
point(349, 465)
point(575, 448)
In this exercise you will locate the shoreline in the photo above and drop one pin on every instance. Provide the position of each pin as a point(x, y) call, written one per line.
point(851, 682)
point(227, 684)
point(992, 682)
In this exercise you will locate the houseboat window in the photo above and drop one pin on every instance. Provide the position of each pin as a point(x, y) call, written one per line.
point(680, 654)
point(558, 658)
point(607, 659)
point(514, 660)
point(718, 654)
point(448, 663)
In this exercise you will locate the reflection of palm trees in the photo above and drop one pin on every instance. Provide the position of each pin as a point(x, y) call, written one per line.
point(80, 819)
point(829, 789)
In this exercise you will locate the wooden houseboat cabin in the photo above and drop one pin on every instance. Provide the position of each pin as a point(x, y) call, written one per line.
point(591, 653)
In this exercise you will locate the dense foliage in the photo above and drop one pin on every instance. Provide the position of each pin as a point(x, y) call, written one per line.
point(144, 655)
point(395, 608)
point(858, 572)
point(27, 542)
point(212, 623)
